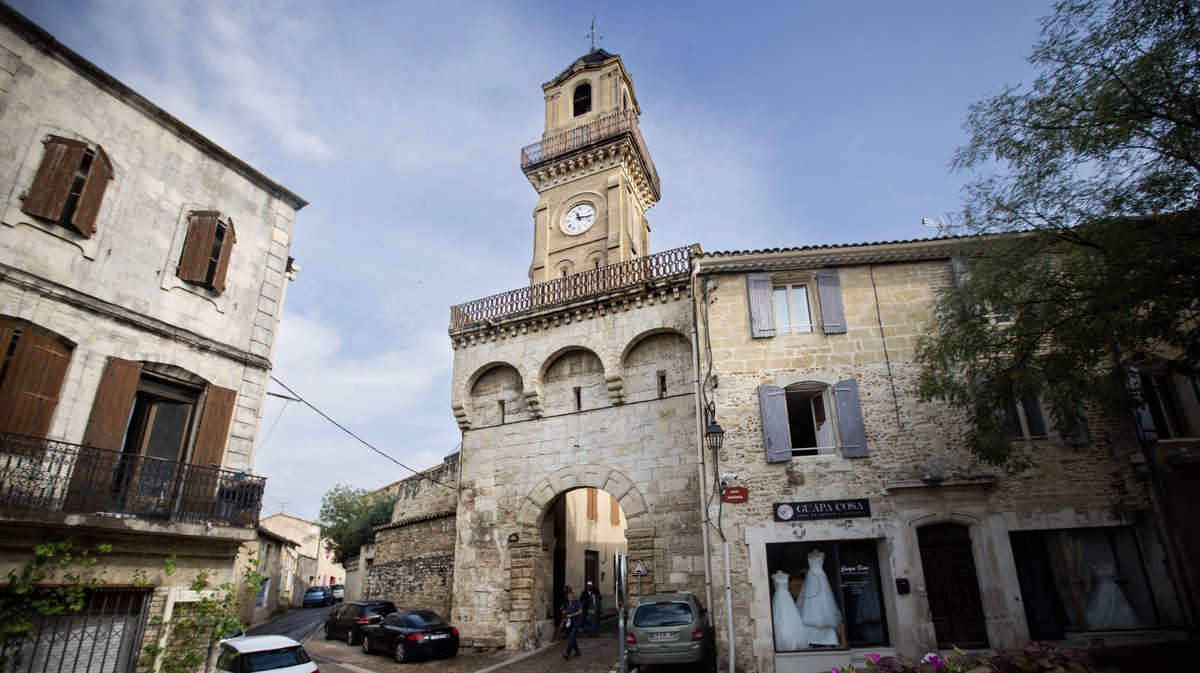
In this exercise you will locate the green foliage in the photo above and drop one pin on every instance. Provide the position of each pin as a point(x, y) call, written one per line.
point(348, 517)
point(24, 598)
point(1091, 178)
point(195, 626)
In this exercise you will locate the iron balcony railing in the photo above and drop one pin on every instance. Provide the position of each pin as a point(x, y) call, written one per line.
point(605, 127)
point(569, 288)
point(44, 474)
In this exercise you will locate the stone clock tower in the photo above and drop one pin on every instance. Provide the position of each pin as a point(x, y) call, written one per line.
point(592, 171)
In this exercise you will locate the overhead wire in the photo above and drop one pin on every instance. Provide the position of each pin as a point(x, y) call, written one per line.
point(362, 441)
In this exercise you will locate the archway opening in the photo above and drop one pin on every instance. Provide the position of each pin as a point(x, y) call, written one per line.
point(588, 527)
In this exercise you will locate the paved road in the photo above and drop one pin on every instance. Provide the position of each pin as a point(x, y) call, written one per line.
point(296, 624)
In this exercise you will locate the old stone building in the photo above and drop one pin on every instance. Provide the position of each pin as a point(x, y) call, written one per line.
point(142, 278)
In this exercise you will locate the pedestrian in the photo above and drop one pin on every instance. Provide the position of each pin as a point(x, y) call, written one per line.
point(591, 607)
point(572, 614)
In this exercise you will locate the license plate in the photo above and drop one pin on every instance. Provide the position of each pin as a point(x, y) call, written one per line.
point(662, 635)
point(438, 636)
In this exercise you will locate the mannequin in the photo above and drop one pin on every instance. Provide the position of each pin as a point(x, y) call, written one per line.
point(818, 607)
point(789, 629)
point(1107, 607)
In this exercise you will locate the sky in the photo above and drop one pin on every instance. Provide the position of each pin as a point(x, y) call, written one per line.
point(771, 123)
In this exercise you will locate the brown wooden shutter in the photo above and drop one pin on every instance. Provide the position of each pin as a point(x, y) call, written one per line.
point(777, 434)
point(761, 305)
point(593, 508)
point(114, 402)
point(31, 388)
point(614, 511)
point(215, 421)
point(52, 185)
point(197, 247)
point(88, 208)
point(218, 284)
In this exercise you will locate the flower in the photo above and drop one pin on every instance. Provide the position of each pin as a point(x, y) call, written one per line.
point(873, 658)
point(934, 660)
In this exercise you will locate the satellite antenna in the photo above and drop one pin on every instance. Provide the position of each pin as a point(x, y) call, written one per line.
point(941, 224)
point(592, 35)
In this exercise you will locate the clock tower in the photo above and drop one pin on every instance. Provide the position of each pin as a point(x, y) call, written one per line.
point(592, 171)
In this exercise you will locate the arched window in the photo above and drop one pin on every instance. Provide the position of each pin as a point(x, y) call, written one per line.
point(582, 99)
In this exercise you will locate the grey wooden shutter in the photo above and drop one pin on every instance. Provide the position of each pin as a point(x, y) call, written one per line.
point(829, 290)
point(197, 247)
point(114, 401)
point(958, 267)
point(88, 209)
point(47, 196)
point(853, 433)
point(762, 306)
point(777, 436)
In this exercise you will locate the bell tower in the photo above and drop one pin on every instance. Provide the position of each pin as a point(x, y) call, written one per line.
point(593, 174)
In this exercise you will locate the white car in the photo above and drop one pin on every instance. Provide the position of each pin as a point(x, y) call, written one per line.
point(249, 654)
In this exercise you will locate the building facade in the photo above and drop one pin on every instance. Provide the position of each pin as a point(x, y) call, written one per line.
point(142, 277)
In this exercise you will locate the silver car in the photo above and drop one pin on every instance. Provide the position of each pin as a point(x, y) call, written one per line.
point(667, 629)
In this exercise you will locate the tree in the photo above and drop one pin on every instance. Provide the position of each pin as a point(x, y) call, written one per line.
point(349, 516)
point(1083, 224)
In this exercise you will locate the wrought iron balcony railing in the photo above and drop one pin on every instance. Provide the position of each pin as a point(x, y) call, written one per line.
point(605, 127)
point(562, 290)
point(44, 474)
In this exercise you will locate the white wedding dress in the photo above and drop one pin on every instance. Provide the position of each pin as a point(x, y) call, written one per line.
point(789, 630)
point(818, 607)
point(1107, 607)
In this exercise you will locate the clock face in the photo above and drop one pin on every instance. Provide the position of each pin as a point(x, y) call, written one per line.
point(579, 218)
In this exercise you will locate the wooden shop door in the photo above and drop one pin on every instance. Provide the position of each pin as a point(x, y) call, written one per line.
point(952, 586)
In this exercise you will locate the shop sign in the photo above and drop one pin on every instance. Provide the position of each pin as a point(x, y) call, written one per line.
point(735, 494)
point(822, 509)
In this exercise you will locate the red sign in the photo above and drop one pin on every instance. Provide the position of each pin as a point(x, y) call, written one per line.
point(735, 494)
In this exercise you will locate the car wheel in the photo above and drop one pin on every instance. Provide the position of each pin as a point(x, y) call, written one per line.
point(350, 637)
point(366, 644)
point(328, 633)
point(452, 653)
point(401, 654)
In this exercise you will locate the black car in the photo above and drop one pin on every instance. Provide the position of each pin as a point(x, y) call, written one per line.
point(349, 620)
point(410, 634)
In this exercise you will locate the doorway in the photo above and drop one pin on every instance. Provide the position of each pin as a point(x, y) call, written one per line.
point(952, 585)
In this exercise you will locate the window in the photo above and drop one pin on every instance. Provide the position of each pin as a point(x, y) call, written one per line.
point(69, 185)
point(582, 100)
point(206, 250)
point(1171, 402)
point(791, 309)
point(1025, 418)
point(796, 420)
point(102, 635)
point(834, 589)
point(782, 305)
point(33, 367)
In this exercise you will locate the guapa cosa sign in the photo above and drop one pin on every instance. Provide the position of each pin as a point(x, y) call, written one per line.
point(822, 509)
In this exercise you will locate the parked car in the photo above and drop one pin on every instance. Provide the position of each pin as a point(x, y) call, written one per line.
point(667, 629)
point(339, 591)
point(249, 654)
point(411, 634)
point(349, 620)
point(317, 596)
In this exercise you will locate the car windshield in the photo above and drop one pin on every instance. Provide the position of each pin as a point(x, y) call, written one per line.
point(315, 591)
point(378, 609)
point(663, 614)
point(273, 659)
point(423, 619)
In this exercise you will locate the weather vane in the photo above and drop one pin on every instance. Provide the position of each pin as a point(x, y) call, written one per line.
point(592, 35)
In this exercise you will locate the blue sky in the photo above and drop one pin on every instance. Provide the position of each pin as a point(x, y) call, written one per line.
point(772, 124)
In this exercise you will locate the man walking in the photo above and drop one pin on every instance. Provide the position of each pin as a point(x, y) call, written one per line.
point(572, 614)
point(591, 607)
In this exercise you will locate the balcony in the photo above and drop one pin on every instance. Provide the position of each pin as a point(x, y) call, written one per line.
point(578, 286)
point(608, 126)
point(46, 475)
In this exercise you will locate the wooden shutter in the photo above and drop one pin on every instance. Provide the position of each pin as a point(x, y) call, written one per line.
point(1146, 430)
point(215, 420)
point(761, 305)
point(614, 511)
point(47, 196)
point(777, 435)
point(33, 383)
point(829, 290)
point(853, 433)
point(958, 266)
point(218, 284)
point(94, 186)
point(197, 247)
point(593, 504)
point(114, 402)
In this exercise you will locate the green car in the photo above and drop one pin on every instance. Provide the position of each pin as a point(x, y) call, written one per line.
point(667, 629)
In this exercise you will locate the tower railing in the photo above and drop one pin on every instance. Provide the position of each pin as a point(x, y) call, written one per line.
point(608, 126)
point(569, 288)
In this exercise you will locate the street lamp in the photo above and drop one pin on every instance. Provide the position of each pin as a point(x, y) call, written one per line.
point(714, 436)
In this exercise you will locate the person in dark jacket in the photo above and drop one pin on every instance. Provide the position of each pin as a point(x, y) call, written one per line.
point(591, 607)
point(572, 615)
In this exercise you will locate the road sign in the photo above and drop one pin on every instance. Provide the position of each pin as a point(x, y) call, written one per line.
point(639, 569)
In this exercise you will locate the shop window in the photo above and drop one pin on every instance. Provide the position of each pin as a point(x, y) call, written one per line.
point(69, 185)
point(207, 250)
point(1081, 580)
point(797, 420)
point(582, 99)
point(783, 303)
point(826, 595)
point(33, 366)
